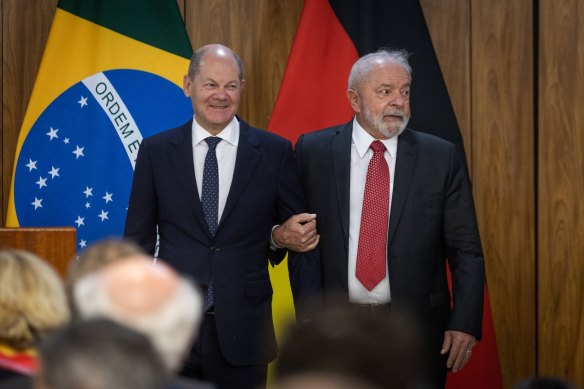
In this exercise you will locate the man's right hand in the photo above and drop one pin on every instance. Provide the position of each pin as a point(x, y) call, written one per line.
point(298, 233)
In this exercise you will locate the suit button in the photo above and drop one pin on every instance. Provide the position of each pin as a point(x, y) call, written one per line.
point(213, 249)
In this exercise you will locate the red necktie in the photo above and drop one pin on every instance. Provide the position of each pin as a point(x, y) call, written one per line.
point(371, 252)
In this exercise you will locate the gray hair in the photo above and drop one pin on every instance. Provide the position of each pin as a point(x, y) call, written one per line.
point(171, 329)
point(363, 66)
point(197, 58)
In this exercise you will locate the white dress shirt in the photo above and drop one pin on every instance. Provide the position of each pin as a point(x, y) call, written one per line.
point(361, 154)
point(226, 154)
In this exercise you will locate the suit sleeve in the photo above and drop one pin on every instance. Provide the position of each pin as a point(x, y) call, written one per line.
point(464, 251)
point(303, 268)
point(141, 218)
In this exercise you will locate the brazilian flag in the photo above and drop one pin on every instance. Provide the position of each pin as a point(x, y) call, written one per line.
point(111, 75)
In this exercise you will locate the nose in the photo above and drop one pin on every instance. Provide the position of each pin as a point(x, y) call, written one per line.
point(397, 100)
point(220, 93)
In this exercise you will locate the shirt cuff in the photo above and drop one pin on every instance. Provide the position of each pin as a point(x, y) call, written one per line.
point(273, 245)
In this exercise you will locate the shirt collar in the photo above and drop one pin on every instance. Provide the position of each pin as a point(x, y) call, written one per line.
point(362, 140)
point(229, 134)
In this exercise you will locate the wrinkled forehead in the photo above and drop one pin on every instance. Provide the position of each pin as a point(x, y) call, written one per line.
point(387, 73)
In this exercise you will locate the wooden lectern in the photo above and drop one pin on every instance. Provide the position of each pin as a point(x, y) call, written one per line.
point(56, 245)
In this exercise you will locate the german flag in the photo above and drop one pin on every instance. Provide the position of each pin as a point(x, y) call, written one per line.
point(331, 36)
point(111, 75)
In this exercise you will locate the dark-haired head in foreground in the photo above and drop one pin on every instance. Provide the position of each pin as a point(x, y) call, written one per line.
point(99, 354)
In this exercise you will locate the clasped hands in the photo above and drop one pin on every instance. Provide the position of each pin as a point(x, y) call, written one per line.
point(298, 233)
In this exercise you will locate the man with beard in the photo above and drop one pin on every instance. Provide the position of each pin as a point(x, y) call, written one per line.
point(394, 206)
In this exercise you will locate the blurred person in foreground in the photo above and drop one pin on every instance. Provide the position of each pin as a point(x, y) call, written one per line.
point(544, 383)
point(150, 298)
point(32, 304)
point(323, 381)
point(382, 350)
point(95, 257)
point(98, 354)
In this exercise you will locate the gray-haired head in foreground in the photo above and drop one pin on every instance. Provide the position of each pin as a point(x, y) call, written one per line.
point(361, 68)
point(150, 298)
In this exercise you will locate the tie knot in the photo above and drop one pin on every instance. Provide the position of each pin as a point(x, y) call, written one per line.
point(377, 146)
point(212, 141)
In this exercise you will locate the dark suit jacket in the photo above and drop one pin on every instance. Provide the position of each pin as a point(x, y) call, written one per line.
point(432, 219)
point(265, 190)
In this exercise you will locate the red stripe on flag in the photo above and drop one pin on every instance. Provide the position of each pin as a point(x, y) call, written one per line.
point(313, 93)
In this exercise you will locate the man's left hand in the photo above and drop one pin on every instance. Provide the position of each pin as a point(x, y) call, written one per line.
point(460, 347)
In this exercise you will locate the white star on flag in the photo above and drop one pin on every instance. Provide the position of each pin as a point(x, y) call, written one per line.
point(31, 165)
point(54, 172)
point(83, 243)
point(41, 182)
point(103, 215)
point(37, 203)
point(79, 152)
point(83, 101)
point(80, 221)
point(53, 133)
point(88, 192)
point(87, 205)
point(108, 197)
point(66, 141)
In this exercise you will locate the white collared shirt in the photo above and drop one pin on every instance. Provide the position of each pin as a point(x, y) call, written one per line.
point(361, 154)
point(226, 155)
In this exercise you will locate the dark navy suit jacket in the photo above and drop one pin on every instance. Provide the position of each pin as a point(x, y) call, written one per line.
point(265, 191)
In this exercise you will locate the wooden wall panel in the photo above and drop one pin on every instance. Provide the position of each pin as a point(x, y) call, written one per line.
point(3, 145)
point(261, 32)
point(503, 172)
point(449, 25)
point(25, 28)
point(561, 190)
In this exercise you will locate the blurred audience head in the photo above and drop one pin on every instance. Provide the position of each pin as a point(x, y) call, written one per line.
point(323, 381)
point(32, 299)
point(148, 297)
point(378, 349)
point(544, 383)
point(98, 354)
point(95, 257)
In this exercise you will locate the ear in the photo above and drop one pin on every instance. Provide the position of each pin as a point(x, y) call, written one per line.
point(354, 100)
point(187, 85)
point(242, 84)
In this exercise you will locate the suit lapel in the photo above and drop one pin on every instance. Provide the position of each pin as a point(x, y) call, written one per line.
point(181, 158)
point(407, 154)
point(248, 156)
point(341, 155)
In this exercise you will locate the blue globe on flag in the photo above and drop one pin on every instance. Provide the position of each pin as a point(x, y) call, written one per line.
point(76, 164)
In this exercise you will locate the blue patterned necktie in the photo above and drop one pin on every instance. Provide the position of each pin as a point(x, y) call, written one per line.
point(210, 200)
